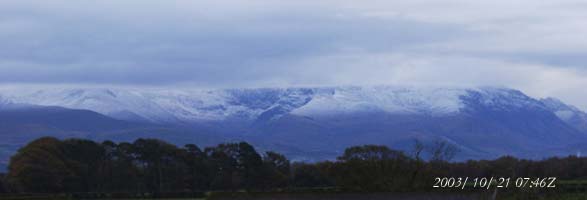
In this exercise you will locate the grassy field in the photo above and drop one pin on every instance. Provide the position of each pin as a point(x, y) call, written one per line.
point(351, 196)
point(566, 190)
point(356, 196)
point(429, 196)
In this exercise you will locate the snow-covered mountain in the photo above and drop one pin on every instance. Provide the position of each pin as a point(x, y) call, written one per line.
point(3, 102)
point(161, 106)
point(318, 123)
point(169, 106)
point(568, 113)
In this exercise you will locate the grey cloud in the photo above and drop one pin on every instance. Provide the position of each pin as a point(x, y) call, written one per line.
point(534, 46)
point(94, 49)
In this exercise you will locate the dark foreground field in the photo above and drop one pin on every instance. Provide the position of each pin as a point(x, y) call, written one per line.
point(344, 196)
point(402, 196)
point(351, 196)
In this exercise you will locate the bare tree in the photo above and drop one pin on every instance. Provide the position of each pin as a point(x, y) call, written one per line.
point(441, 150)
point(416, 152)
point(417, 149)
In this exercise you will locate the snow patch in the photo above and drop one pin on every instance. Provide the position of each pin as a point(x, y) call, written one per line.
point(269, 103)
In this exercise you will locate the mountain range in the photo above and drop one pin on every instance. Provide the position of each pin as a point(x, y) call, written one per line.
point(303, 123)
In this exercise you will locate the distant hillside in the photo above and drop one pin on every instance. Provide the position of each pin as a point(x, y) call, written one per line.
point(20, 123)
point(306, 123)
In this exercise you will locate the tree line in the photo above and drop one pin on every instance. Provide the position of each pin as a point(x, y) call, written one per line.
point(50, 165)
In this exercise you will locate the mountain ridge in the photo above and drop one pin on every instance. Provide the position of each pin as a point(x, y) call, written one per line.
point(194, 105)
point(318, 123)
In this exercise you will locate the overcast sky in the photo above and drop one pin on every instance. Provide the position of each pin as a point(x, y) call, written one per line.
point(539, 47)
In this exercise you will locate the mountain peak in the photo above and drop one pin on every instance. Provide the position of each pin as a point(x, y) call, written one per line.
point(187, 106)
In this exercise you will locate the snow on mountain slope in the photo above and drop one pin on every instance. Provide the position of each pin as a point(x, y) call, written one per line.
point(562, 110)
point(171, 106)
point(435, 101)
point(501, 99)
point(484, 122)
point(3, 101)
point(568, 113)
point(166, 105)
point(104, 101)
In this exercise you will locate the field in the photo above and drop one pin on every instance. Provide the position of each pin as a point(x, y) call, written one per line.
point(352, 196)
point(308, 196)
point(346, 196)
point(566, 190)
